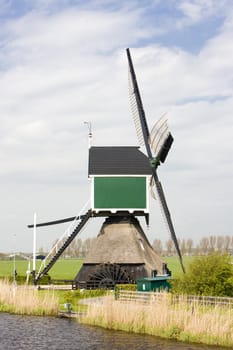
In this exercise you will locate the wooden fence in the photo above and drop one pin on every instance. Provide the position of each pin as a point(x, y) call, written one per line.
point(155, 297)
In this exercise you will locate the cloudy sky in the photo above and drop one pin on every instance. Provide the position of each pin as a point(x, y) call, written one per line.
point(63, 62)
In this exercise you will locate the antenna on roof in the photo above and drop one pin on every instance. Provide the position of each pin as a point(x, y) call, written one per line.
point(89, 134)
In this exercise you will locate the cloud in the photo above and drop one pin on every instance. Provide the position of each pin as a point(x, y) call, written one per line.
point(62, 66)
point(199, 10)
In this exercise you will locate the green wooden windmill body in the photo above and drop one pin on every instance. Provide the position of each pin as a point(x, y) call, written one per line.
point(119, 179)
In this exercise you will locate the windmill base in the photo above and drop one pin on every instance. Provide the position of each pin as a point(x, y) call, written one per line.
point(121, 254)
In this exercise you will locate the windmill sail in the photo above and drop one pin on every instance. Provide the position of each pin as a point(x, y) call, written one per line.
point(158, 133)
point(168, 219)
point(159, 142)
point(137, 107)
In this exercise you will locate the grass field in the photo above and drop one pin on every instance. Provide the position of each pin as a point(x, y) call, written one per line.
point(66, 269)
point(63, 269)
point(174, 264)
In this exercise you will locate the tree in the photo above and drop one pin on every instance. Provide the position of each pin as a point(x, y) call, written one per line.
point(77, 247)
point(86, 246)
point(183, 247)
point(157, 246)
point(232, 242)
point(189, 245)
point(207, 275)
point(204, 245)
point(197, 250)
point(212, 244)
point(169, 245)
point(220, 242)
point(227, 242)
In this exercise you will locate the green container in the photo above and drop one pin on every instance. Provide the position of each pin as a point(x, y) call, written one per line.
point(155, 284)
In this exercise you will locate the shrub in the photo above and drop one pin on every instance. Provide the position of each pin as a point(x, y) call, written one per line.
point(75, 295)
point(207, 275)
point(130, 287)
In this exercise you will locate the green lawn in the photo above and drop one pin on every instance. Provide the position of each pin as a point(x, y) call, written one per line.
point(173, 264)
point(7, 268)
point(66, 269)
point(63, 268)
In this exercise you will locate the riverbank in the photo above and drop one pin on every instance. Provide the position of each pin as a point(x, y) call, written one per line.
point(27, 301)
point(51, 300)
point(187, 322)
point(182, 320)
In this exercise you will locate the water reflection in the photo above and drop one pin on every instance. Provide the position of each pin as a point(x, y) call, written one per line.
point(32, 333)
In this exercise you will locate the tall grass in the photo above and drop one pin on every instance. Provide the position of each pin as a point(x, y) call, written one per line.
point(183, 321)
point(26, 300)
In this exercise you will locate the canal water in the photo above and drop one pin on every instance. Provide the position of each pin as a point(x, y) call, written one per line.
point(49, 333)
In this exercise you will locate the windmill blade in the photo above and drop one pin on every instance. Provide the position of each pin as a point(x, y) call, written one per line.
point(55, 222)
point(162, 155)
point(163, 142)
point(161, 139)
point(158, 133)
point(137, 108)
point(167, 216)
point(152, 185)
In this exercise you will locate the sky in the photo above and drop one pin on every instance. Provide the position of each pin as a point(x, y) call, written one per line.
point(63, 63)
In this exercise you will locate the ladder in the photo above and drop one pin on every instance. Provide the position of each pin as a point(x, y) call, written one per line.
point(53, 257)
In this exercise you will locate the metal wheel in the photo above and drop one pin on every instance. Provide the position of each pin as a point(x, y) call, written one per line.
point(106, 276)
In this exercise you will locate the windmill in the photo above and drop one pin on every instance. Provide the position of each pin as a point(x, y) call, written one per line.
point(120, 178)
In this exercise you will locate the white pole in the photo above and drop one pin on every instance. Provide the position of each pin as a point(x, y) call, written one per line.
point(28, 270)
point(89, 134)
point(34, 244)
point(14, 265)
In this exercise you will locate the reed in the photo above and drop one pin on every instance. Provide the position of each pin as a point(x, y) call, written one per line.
point(25, 300)
point(183, 321)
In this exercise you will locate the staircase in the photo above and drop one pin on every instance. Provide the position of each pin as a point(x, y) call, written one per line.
point(82, 221)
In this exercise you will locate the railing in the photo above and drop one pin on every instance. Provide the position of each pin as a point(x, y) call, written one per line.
point(158, 297)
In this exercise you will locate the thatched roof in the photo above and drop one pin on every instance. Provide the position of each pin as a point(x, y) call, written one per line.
point(122, 241)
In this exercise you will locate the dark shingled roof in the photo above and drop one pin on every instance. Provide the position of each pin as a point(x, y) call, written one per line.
point(118, 161)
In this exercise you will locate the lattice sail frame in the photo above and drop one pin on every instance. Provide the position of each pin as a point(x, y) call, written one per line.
point(135, 112)
point(160, 130)
point(160, 138)
point(159, 134)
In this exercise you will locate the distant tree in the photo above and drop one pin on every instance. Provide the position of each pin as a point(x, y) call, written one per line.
point(189, 245)
point(226, 245)
point(197, 250)
point(174, 248)
point(231, 245)
point(41, 250)
point(219, 244)
point(183, 247)
point(157, 246)
point(212, 244)
point(77, 247)
point(169, 245)
point(204, 245)
point(207, 275)
point(86, 246)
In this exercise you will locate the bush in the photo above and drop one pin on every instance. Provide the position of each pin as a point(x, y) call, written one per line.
point(130, 287)
point(207, 275)
point(75, 295)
